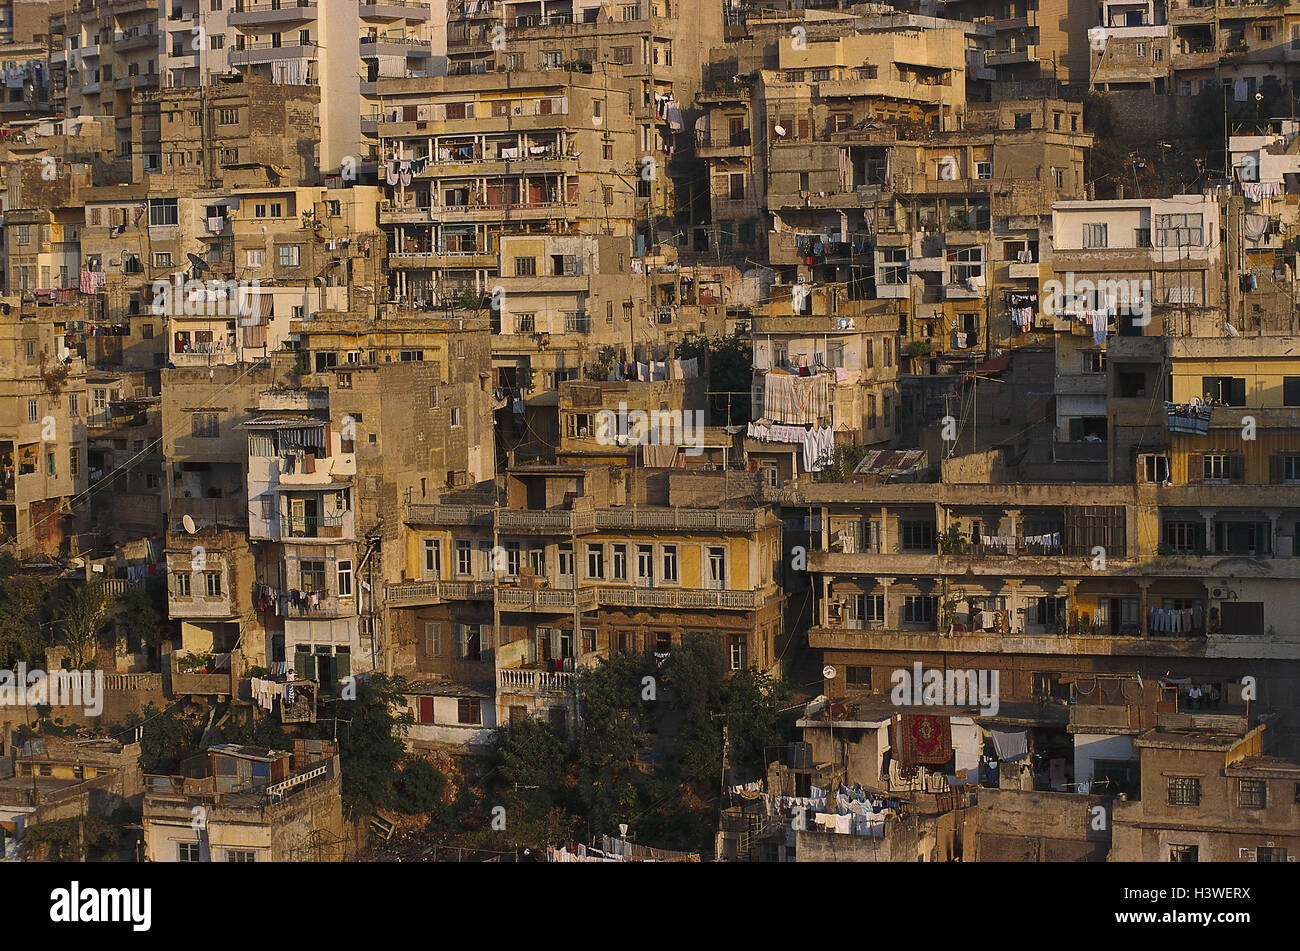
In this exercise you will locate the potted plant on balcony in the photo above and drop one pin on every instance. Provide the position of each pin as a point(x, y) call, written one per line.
point(953, 542)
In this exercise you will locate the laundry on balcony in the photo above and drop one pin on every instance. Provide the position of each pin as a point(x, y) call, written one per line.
point(792, 399)
point(1022, 308)
point(764, 431)
point(92, 281)
point(1176, 620)
point(1191, 417)
point(1255, 191)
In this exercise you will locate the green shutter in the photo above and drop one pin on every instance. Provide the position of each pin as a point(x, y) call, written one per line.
point(344, 665)
point(303, 664)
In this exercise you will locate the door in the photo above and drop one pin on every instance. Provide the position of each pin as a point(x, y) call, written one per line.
point(717, 576)
point(426, 710)
point(645, 566)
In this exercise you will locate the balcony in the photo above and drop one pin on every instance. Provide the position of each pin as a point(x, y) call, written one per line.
point(1019, 271)
point(515, 211)
point(680, 598)
point(136, 39)
point(232, 513)
point(254, 53)
point(722, 146)
point(395, 214)
point(415, 593)
point(254, 14)
point(1088, 716)
point(420, 513)
point(547, 522)
point(1010, 57)
point(517, 679)
point(394, 46)
point(394, 10)
point(1194, 59)
point(546, 600)
point(312, 526)
point(213, 679)
point(680, 519)
point(442, 259)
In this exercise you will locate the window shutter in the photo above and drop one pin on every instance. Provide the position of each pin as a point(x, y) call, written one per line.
point(1238, 397)
point(1237, 471)
point(334, 668)
point(345, 665)
point(1274, 469)
point(1076, 430)
point(302, 664)
point(1195, 467)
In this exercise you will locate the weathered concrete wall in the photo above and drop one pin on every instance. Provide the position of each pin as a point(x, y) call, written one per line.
point(1028, 826)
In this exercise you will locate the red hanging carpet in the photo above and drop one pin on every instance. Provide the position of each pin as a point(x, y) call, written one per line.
point(922, 739)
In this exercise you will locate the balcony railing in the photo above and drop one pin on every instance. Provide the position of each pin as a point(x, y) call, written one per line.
point(546, 599)
point(683, 598)
point(312, 526)
point(675, 519)
point(538, 681)
point(438, 514)
point(408, 593)
point(562, 522)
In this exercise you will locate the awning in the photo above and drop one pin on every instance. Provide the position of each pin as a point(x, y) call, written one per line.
point(988, 367)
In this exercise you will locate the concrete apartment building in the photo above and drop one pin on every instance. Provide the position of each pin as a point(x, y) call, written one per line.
point(631, 564)
point(1213, 790)
point(43, 437)
point(257, 805)
point(661, 45)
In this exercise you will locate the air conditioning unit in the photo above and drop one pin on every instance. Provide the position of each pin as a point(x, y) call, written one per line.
point(1216, 592)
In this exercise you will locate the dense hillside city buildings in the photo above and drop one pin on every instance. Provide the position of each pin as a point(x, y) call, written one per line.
point(873, 427)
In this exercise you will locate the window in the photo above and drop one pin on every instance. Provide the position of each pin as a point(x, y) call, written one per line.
point(1094, 236)
point(1178, 231)
point(525, 267)
point(670, 563)
point(868, 608)
point(739, 648)
point(1049, 610)
point(51, 466)
point(163, 211)
point(74, 404)
point(1252, 794)
point(432, 639)
point(858, 677)
point(618, 559)
point(254, 258)
point(33, 410)
point(289, 255)
point(182, 584)
point(736, 187)
point(469, 710)
point(596, 561)
point(433, 556)
point(240, 855)
point(227, 116)
point(74, 462)
point(919, 609)
point(1222, 467)
point(464, 558)
point(204, 425)
point(892, 265)
point(162, 259)
point(1092, 361)
point(345, 579)
point(984, 170)
point(1184, 791)
point(469, 641)
point(916, 535)
point(187, 852)
point(1269, 853)
point(313, 576)
point(212, 584)
point(455, 416)
point(1183, 853)
point(1230, 390)
point(525, 323)
point(1290, 468)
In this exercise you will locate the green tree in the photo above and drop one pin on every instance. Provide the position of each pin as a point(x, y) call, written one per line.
point(370, 732)
point(23, 629)
point(730, 362)
point(167, 738)
point(84, 613)
point(418, 787)
point(140, 614)
point(608, 737)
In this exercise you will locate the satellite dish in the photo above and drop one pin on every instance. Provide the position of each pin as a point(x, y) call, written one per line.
point(828, 672)
point(190, 527)
point(779, 130)
point(200, 265)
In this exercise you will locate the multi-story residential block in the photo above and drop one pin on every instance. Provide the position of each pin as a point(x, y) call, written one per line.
point(1051, 587)
point(577, 563)
point(1131, 49)
point(258, 804)
point(661, 45)
point(1213, 789)
point(44, 408)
